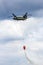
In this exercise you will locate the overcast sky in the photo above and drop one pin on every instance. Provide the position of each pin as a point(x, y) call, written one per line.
point(19, 7)
point(15, 34)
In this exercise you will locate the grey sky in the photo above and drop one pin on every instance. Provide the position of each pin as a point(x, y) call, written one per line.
point(19, 7)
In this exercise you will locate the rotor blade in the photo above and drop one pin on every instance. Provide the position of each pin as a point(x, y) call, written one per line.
point(10, 16)
point(29, 14)
point(13, 14)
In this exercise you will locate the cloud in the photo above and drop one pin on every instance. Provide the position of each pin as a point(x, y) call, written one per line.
point(15, 34)
point(11, 30)
point(31, 28)
point(12, 51)
point(35, 29)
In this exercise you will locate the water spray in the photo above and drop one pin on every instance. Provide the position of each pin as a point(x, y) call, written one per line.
point(29, 60)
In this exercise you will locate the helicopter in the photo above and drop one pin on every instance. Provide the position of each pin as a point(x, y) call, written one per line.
point(24, 17)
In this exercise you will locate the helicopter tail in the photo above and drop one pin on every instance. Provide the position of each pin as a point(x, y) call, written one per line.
point(25, 16)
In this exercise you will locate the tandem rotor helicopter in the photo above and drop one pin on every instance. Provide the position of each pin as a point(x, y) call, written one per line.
point(24, 17)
